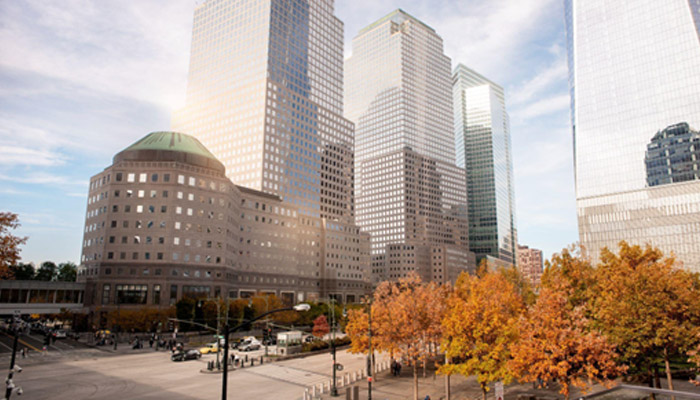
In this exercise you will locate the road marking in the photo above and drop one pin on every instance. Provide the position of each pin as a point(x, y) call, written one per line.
point(22, 341)
point(8, 347)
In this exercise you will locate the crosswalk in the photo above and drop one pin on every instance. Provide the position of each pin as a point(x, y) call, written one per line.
point(291, 375)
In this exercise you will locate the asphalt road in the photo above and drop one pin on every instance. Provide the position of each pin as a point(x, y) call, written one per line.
point(151, 375)
point(34, 343)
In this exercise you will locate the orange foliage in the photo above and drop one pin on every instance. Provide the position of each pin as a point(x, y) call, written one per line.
point(557, 344)
point(480, 325)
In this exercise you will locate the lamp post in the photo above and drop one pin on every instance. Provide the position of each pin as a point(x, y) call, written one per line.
point(299, 308)
point(10, 385)
point(368, 301)
point(334, 388)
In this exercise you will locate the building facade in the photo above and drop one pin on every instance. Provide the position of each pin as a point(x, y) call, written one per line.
point(621, 95)
point(164, 222)
point(265, 95)
point(411, 197)
point(673, 155)
point(482, 140)
point(530, 264)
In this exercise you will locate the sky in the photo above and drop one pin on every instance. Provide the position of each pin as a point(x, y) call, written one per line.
point(80, 80)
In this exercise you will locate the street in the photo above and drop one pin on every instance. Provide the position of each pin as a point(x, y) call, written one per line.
point(151, 375)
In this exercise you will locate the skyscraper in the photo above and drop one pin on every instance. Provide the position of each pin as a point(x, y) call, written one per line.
point(411, 196)
point(265, 95)
point(482, 139)
point(634, 70)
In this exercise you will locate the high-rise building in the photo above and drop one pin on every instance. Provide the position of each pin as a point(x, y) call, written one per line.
point(411, 197)
point(530, 263)
point(265, 95)
point(673, 155)
point(634, 69)
point(482, 139)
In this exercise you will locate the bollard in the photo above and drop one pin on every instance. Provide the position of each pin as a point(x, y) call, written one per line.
point(347, 379)
point(313, 391)
point(261, 360)
point(348, 394)
point(323, 388)
point(252, 362)
point(355, 393)
point(246, 358)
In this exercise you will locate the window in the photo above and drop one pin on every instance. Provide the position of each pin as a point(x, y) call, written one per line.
point(127, 208)
point(159, 256)
point(165, 193)
point(153, 193)
point(156, 294)
point(135, 255)
point(131, 294)
point(110, 255)
point(166, 177)
point(116, 193)
point(173, 294)
point(141, 193)
point(143, 178)
point(181, 179)
point(106, 290)
point(111, 239)
point(154, 178)
point(163, 209)
point(196, 292)
point(192, 181)
point(131, 178)
point(119, 176)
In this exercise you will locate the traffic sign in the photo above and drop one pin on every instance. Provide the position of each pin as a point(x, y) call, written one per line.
point(339, 367)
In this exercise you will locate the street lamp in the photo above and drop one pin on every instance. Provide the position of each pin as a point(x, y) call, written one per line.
point(368, 301)
point(299, 308)
point(10, 388)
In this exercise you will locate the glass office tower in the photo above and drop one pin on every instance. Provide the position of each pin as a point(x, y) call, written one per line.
point(634, 70)
point(265, 96)
point(482, 139)
point(411, 197)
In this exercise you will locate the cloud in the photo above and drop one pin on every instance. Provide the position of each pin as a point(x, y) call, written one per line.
point(543, 107)
point(132, 49)
point(555, 74)
point(16, 155)
point(43, 178)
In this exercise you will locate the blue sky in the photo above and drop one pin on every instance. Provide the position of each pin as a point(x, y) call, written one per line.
point(80, 80)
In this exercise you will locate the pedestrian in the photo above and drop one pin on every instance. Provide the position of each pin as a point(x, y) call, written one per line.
point(398, 368)
point(393, 367)
point(427, 397)
point(24, 352)
point(150, 342)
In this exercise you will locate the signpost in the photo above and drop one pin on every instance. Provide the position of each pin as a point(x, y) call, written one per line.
point(499, 390)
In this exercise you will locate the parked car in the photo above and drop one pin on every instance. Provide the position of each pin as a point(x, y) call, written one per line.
point(193, 354)
point(236, 342)
point(60, 334)
point(209, 348)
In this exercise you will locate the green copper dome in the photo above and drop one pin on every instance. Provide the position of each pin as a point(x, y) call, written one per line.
point(170, 146)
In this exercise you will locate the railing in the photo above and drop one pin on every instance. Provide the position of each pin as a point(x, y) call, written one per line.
point(618, 392)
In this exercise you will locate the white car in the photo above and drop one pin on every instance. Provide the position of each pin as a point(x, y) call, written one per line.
point(60, 334)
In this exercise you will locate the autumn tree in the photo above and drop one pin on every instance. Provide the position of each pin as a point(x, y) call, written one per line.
point(556, 343)
point(479, 327)
point(406, 318)
point(647, 306)
point(22, 271)
point(571, 273)
point(67, 272)
point(321, 327)
point(357, 330)
point(9, 243)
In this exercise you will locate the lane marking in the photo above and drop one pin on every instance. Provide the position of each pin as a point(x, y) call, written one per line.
point(22, 341)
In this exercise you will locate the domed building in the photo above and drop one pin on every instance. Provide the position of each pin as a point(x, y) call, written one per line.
point(164, 222)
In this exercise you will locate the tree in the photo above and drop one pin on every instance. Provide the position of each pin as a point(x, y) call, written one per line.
point(9, 244)
point(479, 327)
point(47, 272)
point(357, 330)
point(22, 272)
point(67, 272)
point(571, 273)
point(321, 327)
point(406, 321)
point(647, 308)
point(556, 343)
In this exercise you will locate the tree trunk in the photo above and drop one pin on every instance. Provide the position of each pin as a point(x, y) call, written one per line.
point(415, 380)
point(425, 362)
point(652, 396)
point(447, 386)
point(483, 390)
point(668, 372)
